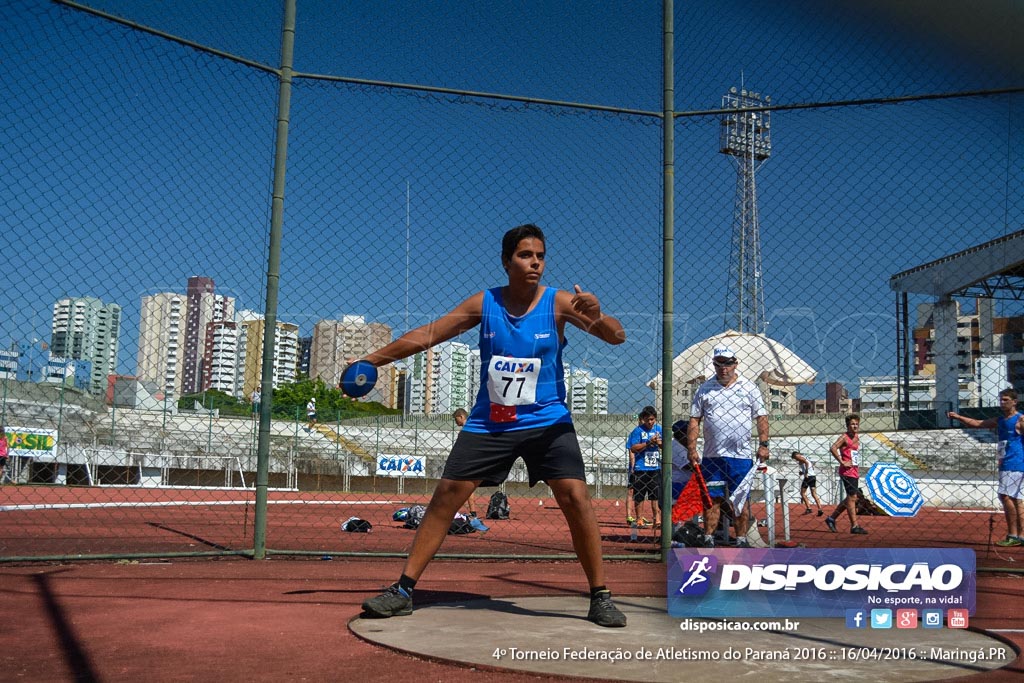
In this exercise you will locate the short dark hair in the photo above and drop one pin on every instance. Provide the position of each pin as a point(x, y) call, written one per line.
point(851, 417)
point(1009, 392)
point(516, 235)
point(648, 411)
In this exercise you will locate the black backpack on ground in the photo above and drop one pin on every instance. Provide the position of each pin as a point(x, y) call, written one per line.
point(460, 525)
point(356, 525)
point(497, 507)
point(689, 534)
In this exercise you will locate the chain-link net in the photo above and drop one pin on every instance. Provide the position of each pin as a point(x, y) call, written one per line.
point(816, 160)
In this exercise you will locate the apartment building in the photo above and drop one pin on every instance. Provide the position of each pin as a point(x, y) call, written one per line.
point(203, 307)
point(585, 393)
point(84, 328)
point(336, 341)
point(250, 354)
point(162, 341)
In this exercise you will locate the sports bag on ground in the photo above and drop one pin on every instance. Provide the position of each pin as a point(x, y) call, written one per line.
point(497, 507)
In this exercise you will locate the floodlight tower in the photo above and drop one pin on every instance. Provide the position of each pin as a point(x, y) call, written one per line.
point(745, 136)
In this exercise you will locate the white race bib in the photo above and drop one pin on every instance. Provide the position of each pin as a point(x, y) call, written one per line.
point(652, 459)
point(854, 458)
point(512, 381)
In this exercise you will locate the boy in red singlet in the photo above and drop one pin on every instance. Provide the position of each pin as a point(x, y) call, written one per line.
point(846, 450)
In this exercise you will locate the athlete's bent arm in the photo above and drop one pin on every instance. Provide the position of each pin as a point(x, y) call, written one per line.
point(463, 317)
point(583, 310)
point(834, 450)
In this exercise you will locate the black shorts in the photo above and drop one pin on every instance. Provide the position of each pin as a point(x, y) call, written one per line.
point(549, 453)
point(851, 485)
point(631, 480)
point(809, 483)
point(647, 486)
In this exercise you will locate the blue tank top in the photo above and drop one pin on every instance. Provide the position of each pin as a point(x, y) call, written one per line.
point(522, 385)
point(1011, 448)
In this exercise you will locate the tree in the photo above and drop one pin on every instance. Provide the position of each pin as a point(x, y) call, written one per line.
point(214, 399)
point(290, 401)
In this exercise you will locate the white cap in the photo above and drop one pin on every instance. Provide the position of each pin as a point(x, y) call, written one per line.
point(723, 352)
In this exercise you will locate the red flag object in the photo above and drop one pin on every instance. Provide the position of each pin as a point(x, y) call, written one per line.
point(693, 499)
point(500, 413)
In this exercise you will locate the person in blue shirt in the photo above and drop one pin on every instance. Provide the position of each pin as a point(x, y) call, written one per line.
point(520, 411)
point(1009, 428)
point(644, 444)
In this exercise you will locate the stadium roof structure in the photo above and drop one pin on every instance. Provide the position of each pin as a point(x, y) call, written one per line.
point(993, 269)
point(761, 358)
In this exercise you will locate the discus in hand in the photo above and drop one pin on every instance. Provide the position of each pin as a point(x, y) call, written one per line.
point(358, 379)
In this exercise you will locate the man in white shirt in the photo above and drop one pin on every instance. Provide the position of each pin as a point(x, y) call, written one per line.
point(311, 413)
point(725, 405)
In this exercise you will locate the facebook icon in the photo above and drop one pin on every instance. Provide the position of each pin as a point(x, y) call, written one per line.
point(856, 618)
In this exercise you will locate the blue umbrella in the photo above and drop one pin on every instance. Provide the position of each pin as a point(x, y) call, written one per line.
point(893, 490)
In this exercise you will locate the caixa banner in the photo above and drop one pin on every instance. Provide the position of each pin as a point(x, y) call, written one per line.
point(822, 582)
point(401, 466)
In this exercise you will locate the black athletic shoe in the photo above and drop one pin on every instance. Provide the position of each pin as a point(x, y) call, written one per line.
point(820, 513)
point(831, 524)
point(859, 530)
point(808, 511)
point(603, 611)
point(393, 602)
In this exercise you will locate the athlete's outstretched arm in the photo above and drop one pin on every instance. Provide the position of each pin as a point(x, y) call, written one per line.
point(583, 310)
point(463, 317)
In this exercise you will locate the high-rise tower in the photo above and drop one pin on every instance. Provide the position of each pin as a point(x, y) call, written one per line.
point(744, 135)
point(85, 328)
point(203, 306)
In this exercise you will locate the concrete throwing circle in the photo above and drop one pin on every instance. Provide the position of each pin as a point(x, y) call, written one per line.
point(550, 635)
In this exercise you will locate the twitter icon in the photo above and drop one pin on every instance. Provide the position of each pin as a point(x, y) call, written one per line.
point(881, 618)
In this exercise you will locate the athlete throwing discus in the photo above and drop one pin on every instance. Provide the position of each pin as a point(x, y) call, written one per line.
point(520, 412)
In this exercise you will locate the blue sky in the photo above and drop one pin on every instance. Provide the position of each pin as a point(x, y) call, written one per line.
point(136, 163)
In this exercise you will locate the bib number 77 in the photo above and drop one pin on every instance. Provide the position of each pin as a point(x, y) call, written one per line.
point(512, 381)
point(509, 383)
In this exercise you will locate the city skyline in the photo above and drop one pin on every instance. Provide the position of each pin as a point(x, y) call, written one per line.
point(232, 362)
point(445, 377)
